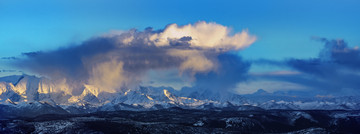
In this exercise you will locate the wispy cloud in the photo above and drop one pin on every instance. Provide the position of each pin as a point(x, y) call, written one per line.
point(9, 58)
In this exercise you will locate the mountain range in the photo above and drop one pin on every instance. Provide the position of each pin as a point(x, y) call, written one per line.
point(29, 96)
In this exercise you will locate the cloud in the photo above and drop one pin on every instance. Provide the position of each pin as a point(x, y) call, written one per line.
point(231, 71)
point(8, 70)
point(119, 60)
point(31, 54)
point(337, 65)
point(9, 58)
point(335, 58)
point(194, 60)
point(108, 75)
point(335, 70)
point(204, 35)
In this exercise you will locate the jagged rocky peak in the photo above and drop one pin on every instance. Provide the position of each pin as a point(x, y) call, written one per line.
point(89, 89)
point(3, 87)
point(27, 88)
point(167, 93)
point(89, 94)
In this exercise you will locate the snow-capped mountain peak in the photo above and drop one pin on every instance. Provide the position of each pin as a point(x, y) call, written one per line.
point(89, 89)
point(169, 95)
point(89, 94)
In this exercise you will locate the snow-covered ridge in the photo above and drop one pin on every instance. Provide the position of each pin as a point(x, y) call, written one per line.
point(26, 90)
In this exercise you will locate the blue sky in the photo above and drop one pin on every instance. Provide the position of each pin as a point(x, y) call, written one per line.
point(283, 28)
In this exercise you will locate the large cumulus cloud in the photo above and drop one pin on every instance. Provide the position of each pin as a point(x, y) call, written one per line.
point(120, 60)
